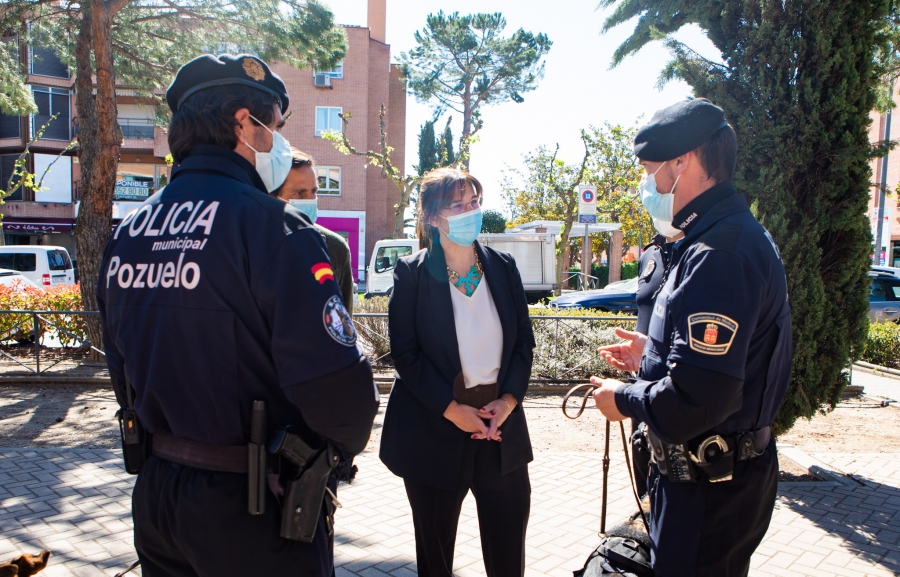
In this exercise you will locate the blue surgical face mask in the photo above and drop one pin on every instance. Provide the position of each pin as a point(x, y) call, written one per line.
point(308, 206)
point(659, 206)
point(465, 227)
point(273, 166)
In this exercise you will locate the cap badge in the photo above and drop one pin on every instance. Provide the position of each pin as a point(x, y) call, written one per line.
point(254, 69)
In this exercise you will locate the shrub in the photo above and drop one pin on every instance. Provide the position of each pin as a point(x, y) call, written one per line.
point(58, 298)
point(883, 345)
point(373, 331)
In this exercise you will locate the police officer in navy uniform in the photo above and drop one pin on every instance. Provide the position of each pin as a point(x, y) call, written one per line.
point(214, 295)
point(716, 362)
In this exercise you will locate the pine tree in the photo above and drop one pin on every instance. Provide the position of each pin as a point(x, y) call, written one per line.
point(797, 82)
point(428, 149)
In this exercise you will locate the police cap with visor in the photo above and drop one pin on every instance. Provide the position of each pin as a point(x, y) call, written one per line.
point(207, 71)
point(678, 129)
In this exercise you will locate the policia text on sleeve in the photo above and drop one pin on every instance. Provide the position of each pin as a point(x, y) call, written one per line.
point(198, 300)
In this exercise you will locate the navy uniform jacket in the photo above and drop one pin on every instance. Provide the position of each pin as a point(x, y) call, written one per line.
point(718, 353)
point(651, 269)
point(418, 443)
point(213, 295)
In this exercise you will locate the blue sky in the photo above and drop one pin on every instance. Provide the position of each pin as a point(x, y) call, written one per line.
point(578, 88)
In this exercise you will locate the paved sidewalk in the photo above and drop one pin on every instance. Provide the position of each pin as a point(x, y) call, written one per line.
point(877, 385)
point(76, 503)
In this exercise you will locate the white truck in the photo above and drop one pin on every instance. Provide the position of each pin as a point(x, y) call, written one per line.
point(535, 255)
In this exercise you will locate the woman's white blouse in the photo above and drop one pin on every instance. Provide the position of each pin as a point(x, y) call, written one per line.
point(479, 334)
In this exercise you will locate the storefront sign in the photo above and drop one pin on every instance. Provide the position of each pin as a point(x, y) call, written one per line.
point(131, 190)
point(36, 227)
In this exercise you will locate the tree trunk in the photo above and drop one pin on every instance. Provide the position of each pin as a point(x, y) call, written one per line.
point(467, 127)
point(400, 210)
point(99, 139)
point(563, 251)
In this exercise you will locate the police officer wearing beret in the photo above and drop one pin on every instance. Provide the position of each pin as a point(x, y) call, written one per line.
point(716, 362)
point(214, 296)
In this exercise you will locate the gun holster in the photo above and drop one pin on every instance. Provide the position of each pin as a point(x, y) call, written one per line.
point(305, 484)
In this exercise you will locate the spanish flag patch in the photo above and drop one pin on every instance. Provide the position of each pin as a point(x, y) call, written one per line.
point(323, 272)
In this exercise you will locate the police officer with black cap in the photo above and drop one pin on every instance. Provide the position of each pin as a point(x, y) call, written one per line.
point(224, 328)
point(716, 362)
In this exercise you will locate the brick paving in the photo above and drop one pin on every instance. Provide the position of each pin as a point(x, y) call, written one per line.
point(76, 503)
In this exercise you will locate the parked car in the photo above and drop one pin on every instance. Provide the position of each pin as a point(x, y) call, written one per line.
point(42, 265)
point(884, 298)
point(889, 270)
point(15, 280)
point(621, 298)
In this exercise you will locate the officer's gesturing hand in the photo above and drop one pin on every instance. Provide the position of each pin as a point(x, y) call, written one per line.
point(625, 356)
point(605, 396)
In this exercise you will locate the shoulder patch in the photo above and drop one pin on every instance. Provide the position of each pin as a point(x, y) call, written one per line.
point(711, 333)
point(323, 272)
point(338, 323)
point(648, 270)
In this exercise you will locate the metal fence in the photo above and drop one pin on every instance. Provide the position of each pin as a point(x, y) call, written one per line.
point(25, 326)
point(566, 350)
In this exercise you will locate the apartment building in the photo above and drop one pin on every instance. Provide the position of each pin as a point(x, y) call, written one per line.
point(355, 202)
point(888, 254)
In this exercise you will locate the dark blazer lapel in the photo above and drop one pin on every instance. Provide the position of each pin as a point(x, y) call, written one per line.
point(441, 306)
point(495, 273)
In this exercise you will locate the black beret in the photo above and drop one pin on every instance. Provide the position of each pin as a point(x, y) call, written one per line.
point(208, 70)
point(678, 129)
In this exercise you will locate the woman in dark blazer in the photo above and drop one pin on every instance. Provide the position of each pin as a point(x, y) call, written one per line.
point(454, 421)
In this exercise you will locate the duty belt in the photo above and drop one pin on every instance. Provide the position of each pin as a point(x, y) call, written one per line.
point(713, 455)
point(224, 458)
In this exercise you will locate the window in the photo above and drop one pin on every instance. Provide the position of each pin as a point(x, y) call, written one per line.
point(59, 260)
point(878, 291)
point(52, 101)
point(329, 180)
point(45, 62)
point(136, 128)
point(387, 257)
point(336, 72)
point(7, 165)
point(327, 118)
point(10, 126)
point(22, 262)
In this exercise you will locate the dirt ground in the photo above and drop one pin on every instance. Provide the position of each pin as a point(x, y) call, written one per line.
point(80, 416)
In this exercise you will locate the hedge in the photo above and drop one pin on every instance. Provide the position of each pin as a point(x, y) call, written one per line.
point(56, 298)
point(883, 345)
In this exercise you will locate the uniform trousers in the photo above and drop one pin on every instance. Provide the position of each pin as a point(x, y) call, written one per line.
point(503, 503)
point(191, 522)
point(708, 529)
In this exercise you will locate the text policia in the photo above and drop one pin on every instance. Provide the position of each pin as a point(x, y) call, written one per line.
point(180, 218)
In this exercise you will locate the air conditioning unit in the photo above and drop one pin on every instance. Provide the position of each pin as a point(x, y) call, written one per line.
point(323, 80)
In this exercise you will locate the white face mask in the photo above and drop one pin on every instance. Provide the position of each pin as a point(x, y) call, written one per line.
point(660, 206)
point(665, 228)
point(273, 166)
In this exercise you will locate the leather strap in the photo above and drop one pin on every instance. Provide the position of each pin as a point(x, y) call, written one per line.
point(590, 389)
point(223, 458)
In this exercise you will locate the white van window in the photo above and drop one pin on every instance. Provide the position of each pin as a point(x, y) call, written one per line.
point(387, 257)
point(20, 261)
point(58, 260)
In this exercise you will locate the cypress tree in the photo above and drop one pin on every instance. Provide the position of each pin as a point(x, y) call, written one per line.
point(797, 82)
point(447, 155)
point(428, 149)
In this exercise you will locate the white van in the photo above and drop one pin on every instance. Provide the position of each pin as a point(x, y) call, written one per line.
point(535, 255)
point(43, 265)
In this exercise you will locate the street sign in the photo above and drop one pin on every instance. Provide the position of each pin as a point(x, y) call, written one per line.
point(587, 204)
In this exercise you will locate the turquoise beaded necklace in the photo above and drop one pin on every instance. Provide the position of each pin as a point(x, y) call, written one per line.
point(470, 281)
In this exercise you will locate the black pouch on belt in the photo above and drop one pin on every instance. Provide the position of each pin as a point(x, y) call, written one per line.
point(135, 440)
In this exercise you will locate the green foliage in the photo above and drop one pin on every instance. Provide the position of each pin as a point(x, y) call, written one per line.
point(883, 345)
point(601, 273)
point(446, 154)
point(15, 96)
point(464, 62)
point(428, 149)
point(797, 81)
point(493, 221)
point(56, 298)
